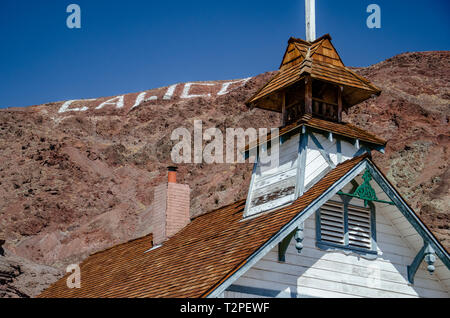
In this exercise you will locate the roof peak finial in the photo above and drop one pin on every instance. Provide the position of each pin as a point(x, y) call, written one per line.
point(310, 14)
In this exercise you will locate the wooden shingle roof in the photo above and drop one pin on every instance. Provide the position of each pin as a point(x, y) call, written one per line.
point(321, 61)
point(321, 50)
point(193, 262)
point(343, 129)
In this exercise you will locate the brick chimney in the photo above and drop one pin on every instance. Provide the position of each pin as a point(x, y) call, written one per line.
point(170, 208)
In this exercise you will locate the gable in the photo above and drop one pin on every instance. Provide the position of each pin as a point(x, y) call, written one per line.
point(321, 50)
point(392, 248)
point(317, 272)
point(320, 273)
point(325, 52)
point(295, 54)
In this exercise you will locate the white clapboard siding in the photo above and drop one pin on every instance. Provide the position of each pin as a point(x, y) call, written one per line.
point(261, 182)
point(319, 273)
point(315, 167)
point(285, 162)
point(371, 286)
point(293, 257)
point(348, 150)
point(384, 271)
point(329, 283)
point(406, 231)
point(282, 288)
point(335, 271)
point(269, 179)
point(274, 187)
point(330, 147)
point(288, 153)
point(303, 292)
point(315, 162)
point(232, 294)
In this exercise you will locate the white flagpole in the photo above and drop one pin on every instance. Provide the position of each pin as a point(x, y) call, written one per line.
point(310, 11)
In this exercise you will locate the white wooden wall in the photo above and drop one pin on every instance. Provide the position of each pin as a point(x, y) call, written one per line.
point(317, 273)
point(268, 181)
point(316, 163)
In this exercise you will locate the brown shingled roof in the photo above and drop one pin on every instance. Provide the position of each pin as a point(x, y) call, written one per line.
point(342, 129)
point(321, 61)
point(340, 75)
point(320, 49)
point(194, 261)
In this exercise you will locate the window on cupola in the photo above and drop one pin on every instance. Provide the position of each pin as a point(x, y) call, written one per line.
point(344, 223)
point(325, 101)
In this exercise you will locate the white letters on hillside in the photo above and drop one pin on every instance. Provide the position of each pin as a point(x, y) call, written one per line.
point(118, 102)
point(225, 86)
point(170, 92)
point(65, 107)
point(141, 98)
point(187, 87)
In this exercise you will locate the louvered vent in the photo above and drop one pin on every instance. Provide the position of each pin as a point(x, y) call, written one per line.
point(335, 219)
point(359, 227)
point(332, 222)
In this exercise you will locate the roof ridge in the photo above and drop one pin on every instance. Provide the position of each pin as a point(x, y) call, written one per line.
point(221, 208)
point(326, 36)
point(123, 243)
point(151, 234)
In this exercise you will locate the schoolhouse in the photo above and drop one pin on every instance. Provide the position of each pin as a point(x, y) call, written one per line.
point(324, 222)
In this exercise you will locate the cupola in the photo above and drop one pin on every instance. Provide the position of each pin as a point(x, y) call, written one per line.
point(311, 90)
point(312, 80)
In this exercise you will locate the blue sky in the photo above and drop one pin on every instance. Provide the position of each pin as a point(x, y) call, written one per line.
point(135, 45)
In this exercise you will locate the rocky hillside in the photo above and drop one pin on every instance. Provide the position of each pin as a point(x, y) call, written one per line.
point(76, 177)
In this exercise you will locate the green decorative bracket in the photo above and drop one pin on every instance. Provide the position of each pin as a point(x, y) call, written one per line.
point(427, 253)
point(365, 191)
point(298, 235)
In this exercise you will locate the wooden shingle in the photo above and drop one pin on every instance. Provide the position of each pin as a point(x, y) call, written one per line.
point(343, 129)
point(193, 262)
point(321, 61)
